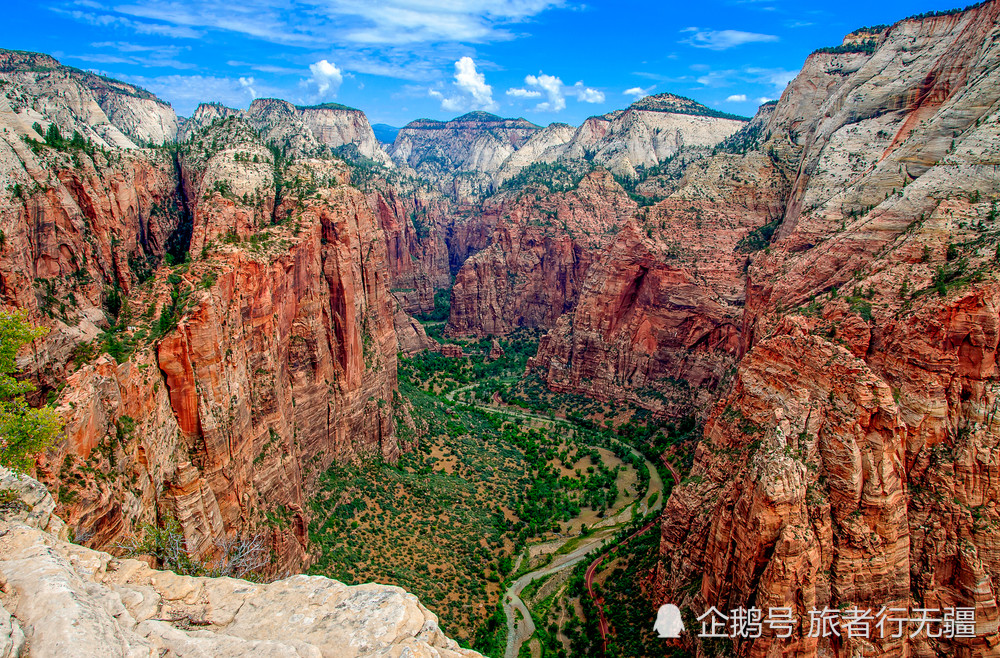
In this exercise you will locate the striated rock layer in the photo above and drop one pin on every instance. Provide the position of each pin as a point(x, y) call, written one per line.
point(297, 129)
point(543, 244)
point(852, 461)
point(227, 384)
point(108, 112)
point(660, 310)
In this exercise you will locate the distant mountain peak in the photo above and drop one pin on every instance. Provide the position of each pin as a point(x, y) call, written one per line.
point(475, 117)
point(11, 60)
point(478, 115)
point(667, 102)
point(328, 106)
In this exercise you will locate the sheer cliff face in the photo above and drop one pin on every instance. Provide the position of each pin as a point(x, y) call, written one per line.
point(415, 224)
point(238, 376)
point(542, 246)
point(544, 242)
point(474, 154)
point(852, 461)
point(287, 361)
point(660, 310)
point(473, 142)
point(641, 136)
point(301, 130)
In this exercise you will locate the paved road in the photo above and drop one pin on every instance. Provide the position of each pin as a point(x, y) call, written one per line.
point(519, 633)
point(602, 622)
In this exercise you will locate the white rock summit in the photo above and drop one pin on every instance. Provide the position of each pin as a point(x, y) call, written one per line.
point(60, 599)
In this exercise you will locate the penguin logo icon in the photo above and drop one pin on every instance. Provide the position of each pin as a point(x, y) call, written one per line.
point(668, 621)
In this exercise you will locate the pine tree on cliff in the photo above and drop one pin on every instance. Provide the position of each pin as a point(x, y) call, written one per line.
point(24, 430)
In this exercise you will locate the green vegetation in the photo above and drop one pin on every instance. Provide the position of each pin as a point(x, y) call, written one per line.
point(946, 12)
point(555, 177)
point(54, 139)
point(171, 311)
point(746, 139)
point(240, 557)
point(449, 520)
point(872, 29)
point(442, 307)
point(630, 612)
point(867, 46)
point(682, 105)
point(24, 430)
point(631, 184)
point(327, 106)
point(758, 238)
point(420, 224)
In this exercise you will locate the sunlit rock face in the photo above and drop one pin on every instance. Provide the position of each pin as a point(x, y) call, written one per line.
point(61, 599)
point(851, 461)
point(228, 383)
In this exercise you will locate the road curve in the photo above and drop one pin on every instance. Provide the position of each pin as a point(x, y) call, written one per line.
point(592, 569)
point(517, 634)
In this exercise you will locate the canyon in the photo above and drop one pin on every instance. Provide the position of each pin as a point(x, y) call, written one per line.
point(231, 298)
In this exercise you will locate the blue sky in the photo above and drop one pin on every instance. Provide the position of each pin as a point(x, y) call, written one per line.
point(545, 60)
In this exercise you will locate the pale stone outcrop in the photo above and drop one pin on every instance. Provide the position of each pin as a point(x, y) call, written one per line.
point(59, 599)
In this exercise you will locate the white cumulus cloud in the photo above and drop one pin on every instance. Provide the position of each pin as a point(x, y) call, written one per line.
point(247, 83)
point(327, 78)
point(737, 98)
point(555, 92)
point(586, 94)
point(723, 39)
point(638, 92)
point(472, 92)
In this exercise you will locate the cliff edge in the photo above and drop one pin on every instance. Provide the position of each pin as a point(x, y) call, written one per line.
point(59, 599)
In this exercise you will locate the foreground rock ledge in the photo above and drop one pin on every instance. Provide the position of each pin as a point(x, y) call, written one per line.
point(60, 599)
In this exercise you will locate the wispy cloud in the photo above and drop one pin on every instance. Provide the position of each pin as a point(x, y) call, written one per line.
point(470, 90)
point(779, 78)
point(185, 92)
point(555, 92)
point(775, 77)
point(723, 39)
point(264, 68)
point(737, 98)
point(314, 22)
point(146, 56)
point(102, 19)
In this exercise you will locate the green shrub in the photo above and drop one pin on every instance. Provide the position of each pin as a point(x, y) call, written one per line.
point(24, 430)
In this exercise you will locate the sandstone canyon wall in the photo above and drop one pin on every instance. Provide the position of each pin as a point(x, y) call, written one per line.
point(851, 461)
point(216, 390)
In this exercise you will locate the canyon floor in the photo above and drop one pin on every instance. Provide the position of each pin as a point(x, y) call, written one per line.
point(503, 463)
